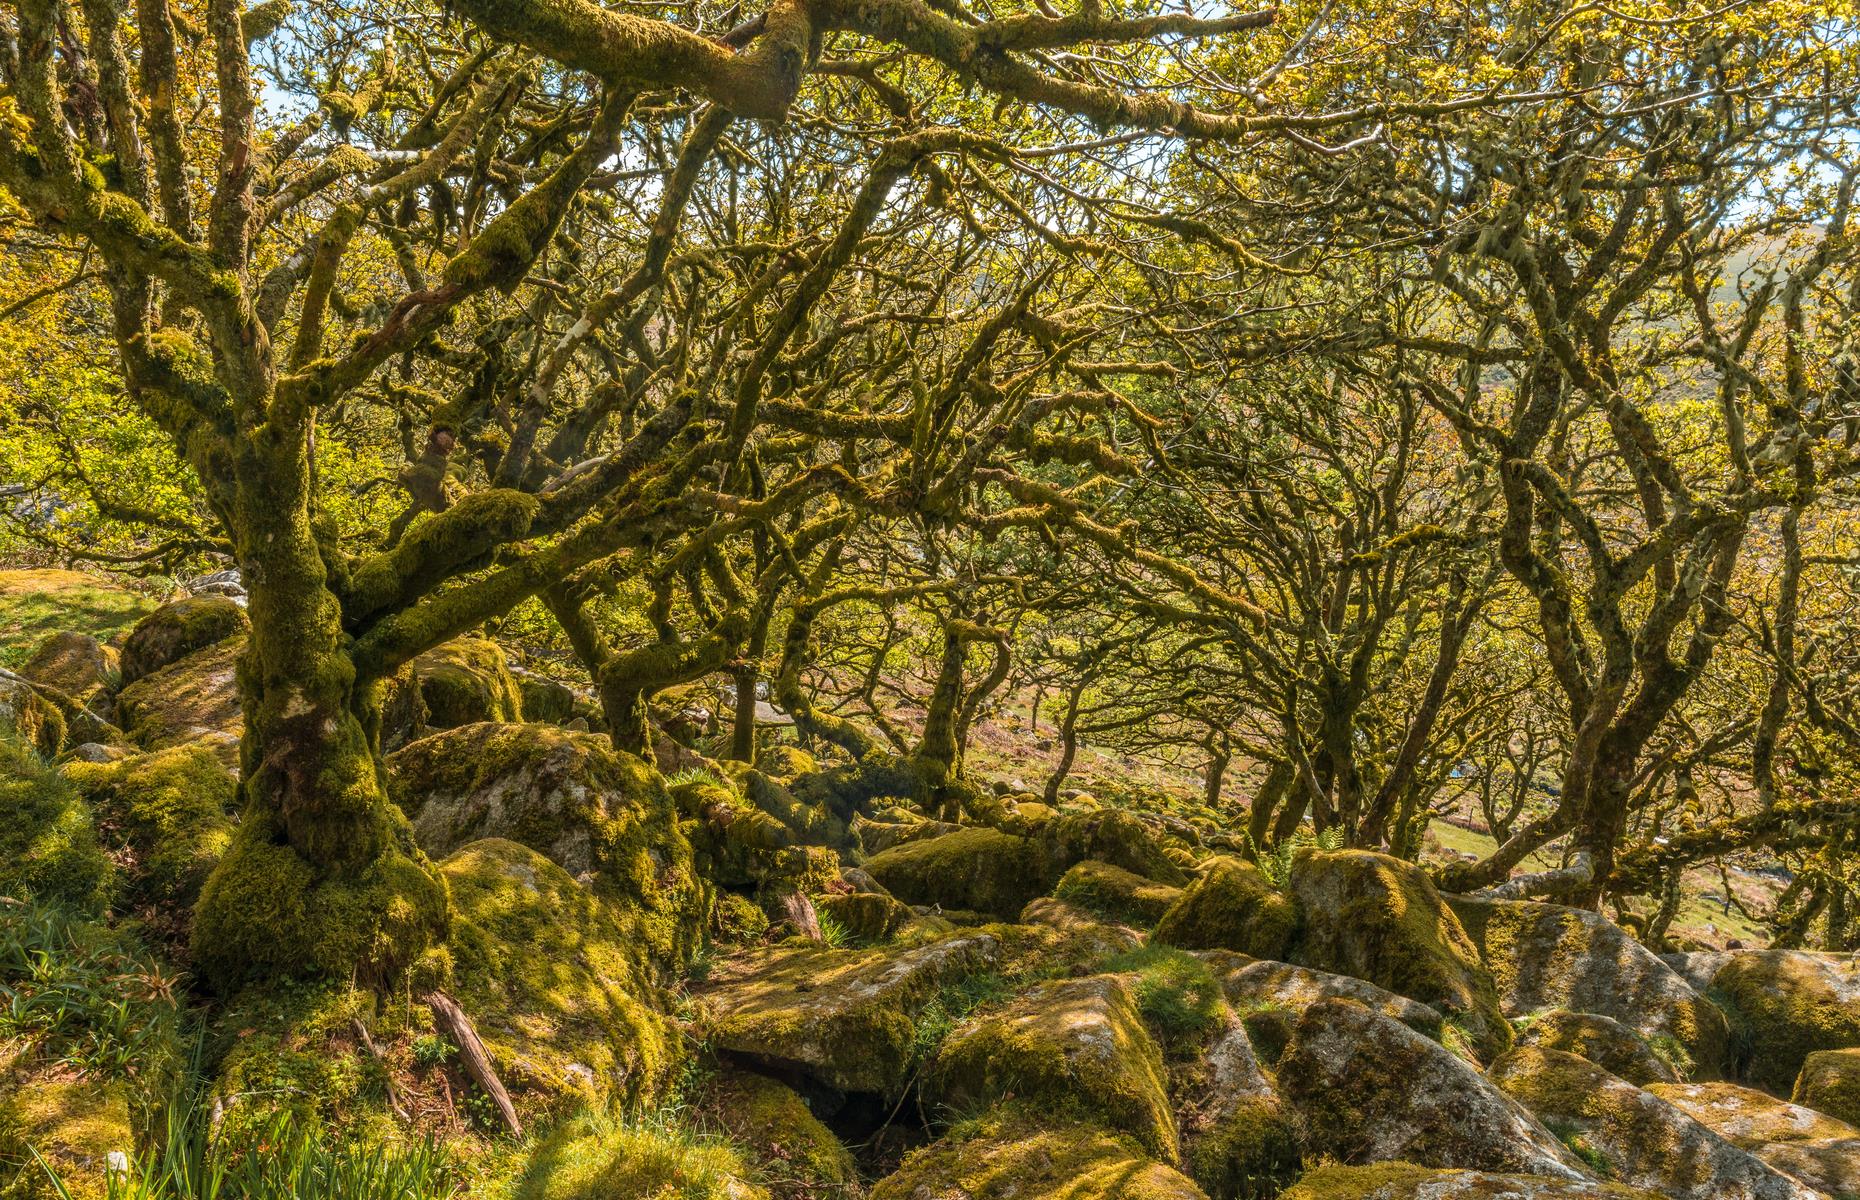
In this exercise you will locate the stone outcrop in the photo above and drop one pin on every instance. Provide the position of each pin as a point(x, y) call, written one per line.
point(1603, 1041)
point(176, 630)
point(1230, 906)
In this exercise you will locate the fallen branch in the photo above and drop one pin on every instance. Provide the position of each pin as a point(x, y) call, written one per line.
point(453, 1020)
point(393, 1097)
point(1542, 883)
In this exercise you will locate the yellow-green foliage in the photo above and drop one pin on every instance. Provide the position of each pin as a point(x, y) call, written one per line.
point(979, 870)
point(1010, 1154)
point(1403, 1181)
point(1230, 907)
point(48, 839)
point(1116, 894)
point(1830, 1083)
point(175, 630)
point(75, 1125)
point(172, 807)
point(595, 1157)
point(554, 982)
point(36, 603)
point(1786, 1005)
point(1076, 1045)
point(796, 1155)
point(468, 680)
point(1379, 918)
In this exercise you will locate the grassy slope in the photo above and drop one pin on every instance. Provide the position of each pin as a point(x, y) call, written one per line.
point(38, 602)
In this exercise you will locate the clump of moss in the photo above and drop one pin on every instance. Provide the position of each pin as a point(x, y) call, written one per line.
point(172, 807)
point(1830, 1083)
point(1012, 1153)
point(1379, 918)
point(736, 918)
point(559, 992)
point(48, 838)
point(785, 762)
point(796, 1156)
point(289, 1046)
point(465, 681)
point(1116, 894)
point(195, 699)
point(1231, 906)
point(1178, 995)
point(981, 870)
point(595, 1157)
point(174, 631)
point(74, 1125)
point(1250, 1148)
point(1077, 1044)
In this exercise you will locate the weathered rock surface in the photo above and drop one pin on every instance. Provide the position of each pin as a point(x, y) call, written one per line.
point(845, 1018)
point(1230, 906)
point(1815, 1148)
point(30, 717)
point(192, 699)
point(77, 673)
point(1012, 1157)
point(1078, 1040)
point(1603, 1041)
point(1237, 1134)
point(1115, 894)
point(592, 810)
point(1403, 1181)
point(1789, 1004)
point(558, 988)
point(176, 630)
point(1830, 1083)
point(1370, 1089)
point(466, 681)
point(979, 870)
point(1271, 997)
point(1381, 919)
point(1107, 835)
point(801, 1157)
point(1549, 956)
point(1634, 1136)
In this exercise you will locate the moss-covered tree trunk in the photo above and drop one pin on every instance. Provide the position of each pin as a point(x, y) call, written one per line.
point(323, 874)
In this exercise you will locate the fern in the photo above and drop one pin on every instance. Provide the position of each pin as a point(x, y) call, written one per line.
point(1276, 863)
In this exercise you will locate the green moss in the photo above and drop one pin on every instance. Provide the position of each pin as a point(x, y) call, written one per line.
point(1404, 1181)
point(554, 983)
point(1830, 1083)
point(48, 838)
point(865, 916)
point(1247, 1149)
point(1379, 918)
point(467, 680)
point(175, 630)
point(75, 1125)
point(794, 1154)
point(983, 870)
point(1013, 1154)
point(734, 843)
point(37, 603)
point(595, 1157)
point(1602, 1040)
point(265, 910)
point(784, 762)
point(1178, 995)
point(1230, 907)
point(172, 809)
point(195, 699)
point(735, 918)
point(291, 1046)
point(1116, 894)
point(1787, 1005)
point(30, 717)
point(1108, 835)
point(1076, 1045)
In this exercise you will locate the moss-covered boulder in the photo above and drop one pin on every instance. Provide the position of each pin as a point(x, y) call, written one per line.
point(1271, 997)
point(1603, 1041)
point(1108, 835)
point(1070, 918)
point(979, 870)
point(80, 1127)
point(1074, 1045)
point(1815, 1148)
point(1787, 1004)
point(172, 809)
point(876, 835)
point(596, 1157)
point(1370, 1089)
point(76, 664)
point(1116, 894)
point(865, 916)
point(466, 681)
point(1381, 919)
point(48, 836)
point(283, 1045)
point(592, 810)
point(1239, 1139)
point(1230, 906)
point(799, 1157)
point(736, 844)
point(176, 630)
point(1830, 1083)
point(28, 717)
point(1405, 1181)
point(1633, 1136)
point(1546, 956)
point(560, 992)
point(786, 762)
point(1009, 1155)
point(540, 698)
point(193, 699)
point(845, 1018)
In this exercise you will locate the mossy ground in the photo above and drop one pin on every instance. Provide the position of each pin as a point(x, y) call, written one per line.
point(1015, 1154)
point(172, 809)
point(40, 602)
point(48, 836)
point(599, 1157)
